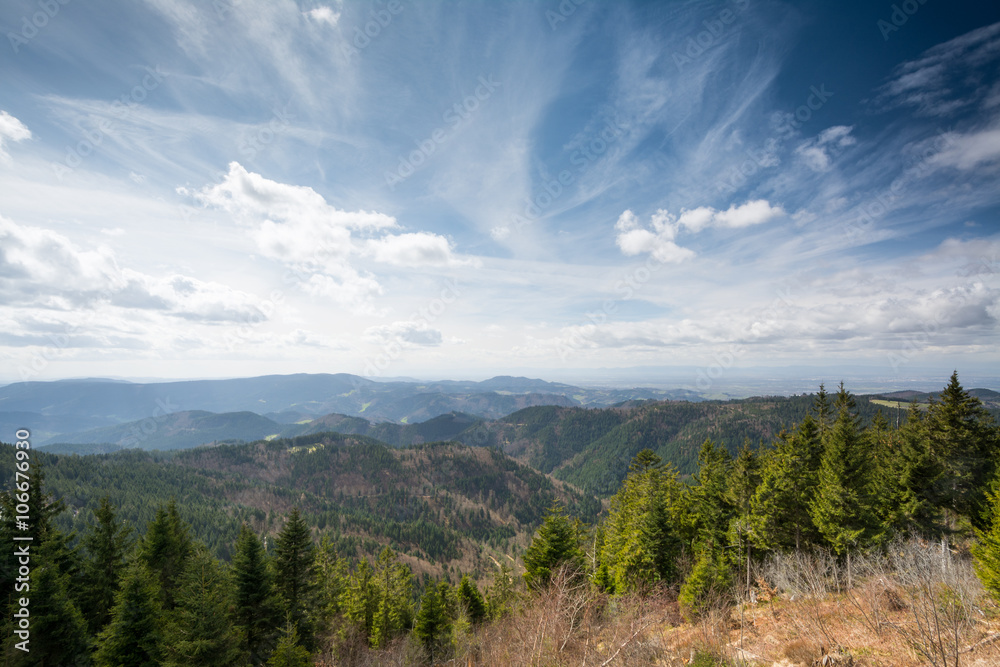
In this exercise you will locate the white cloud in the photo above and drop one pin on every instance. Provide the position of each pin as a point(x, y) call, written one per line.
point(324, 14)
point(818, 153)
point(968, 151)
point(296, 226)
point(405, 333)
point(11, 129)
point(633, 239)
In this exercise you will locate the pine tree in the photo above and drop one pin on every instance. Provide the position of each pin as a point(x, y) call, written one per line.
point(360, 598)
point(639, 540)
point(555, 544)
point(133, 636)
point(106, 546)
point(919, 477)
point(288, 652)
point(841, 508)
point(432, 626)
point(964, 439)
point(779, 509)
point(392, 581)
point(165, 549)
point(986, 552)
point(59, 631)
point(296, 584)
point(501, 595)
point(471, 600)
point(821, 406)
point(199, 630)
point(710, 510)
point(256, 602)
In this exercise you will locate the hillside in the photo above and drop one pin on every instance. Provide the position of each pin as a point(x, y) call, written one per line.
point(592, 448)
point(436, 503)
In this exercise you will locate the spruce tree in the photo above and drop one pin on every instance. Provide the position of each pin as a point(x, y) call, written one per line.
point(432, 626)
point(841, 508)
point(165, 550)
point(199, 630)
point(963, 437)
point(710, 509)
point(393, 585)
point(555, 544)
point(105, 546)
point(639, 542)
point(58, 629)
point(134, 635)
point(296, 584)
point(986, 552)
point(920, 481)
point(471, 600)
point(288, 652)
point(256, 602)
point(360, 598)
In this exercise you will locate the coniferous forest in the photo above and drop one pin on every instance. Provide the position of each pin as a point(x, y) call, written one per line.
point(337, 550)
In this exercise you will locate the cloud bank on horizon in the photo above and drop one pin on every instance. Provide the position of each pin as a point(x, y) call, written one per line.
point(388, 188)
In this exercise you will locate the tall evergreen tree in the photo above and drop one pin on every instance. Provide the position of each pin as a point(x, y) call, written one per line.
point(710, 510)
point(963, 437)
point(986, 552)
point(199, 630)
point(59, 631)
point(920, 484)
point(393, 585)
point(360, 598)
point(841, 508)
point(471, 601)
point(555, 544)
point(640, 542)
point(289, 652)
point(105, 547)
point(134, 636)
point(824, 414)
point(165, 549)
point(779, 509)
point(257, 611)
point(296, 583)
point(432, 626)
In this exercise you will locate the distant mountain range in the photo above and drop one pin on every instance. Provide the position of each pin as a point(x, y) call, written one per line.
point(61, 411)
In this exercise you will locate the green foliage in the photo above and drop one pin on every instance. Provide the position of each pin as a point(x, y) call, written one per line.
point(295, 576)
point(256, 602)
point(134, 634)
point(471, 601)
point(105, 547)
point(433, 624)
point(640, 544)
point(58, 629)
point(288, 652)
point(708, 584)
point(393, 587)
point(165, 550)
point(199, 630)
point(501, 595)
point(987, 552)
point(555, 545)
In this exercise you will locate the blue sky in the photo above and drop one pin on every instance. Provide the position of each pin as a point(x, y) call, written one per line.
point(449, 189)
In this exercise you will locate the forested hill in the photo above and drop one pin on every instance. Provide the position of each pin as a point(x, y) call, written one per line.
point(441, 505)
point(592, 448)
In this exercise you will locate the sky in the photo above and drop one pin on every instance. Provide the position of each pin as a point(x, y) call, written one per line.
point(227, 188)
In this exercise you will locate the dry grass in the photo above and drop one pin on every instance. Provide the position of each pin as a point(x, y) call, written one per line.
point(914, 605)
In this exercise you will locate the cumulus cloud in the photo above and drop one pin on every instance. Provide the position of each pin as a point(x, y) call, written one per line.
point(659, 238)
point(324, 14)
point(404, 333)
point(11, 129)
point(44, 269)
point(818, 153)
point(296, 226)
